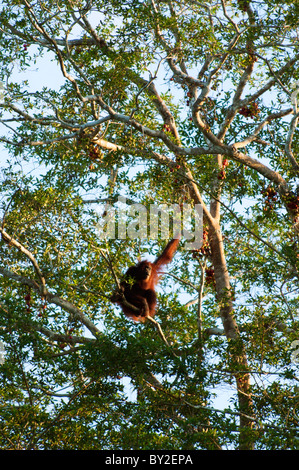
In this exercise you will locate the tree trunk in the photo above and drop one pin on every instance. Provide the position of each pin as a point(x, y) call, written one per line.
point(238, 359)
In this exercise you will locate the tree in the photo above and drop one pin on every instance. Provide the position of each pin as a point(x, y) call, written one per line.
point(171, 101)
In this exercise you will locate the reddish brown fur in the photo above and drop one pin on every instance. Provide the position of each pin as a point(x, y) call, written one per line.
point(139, 284)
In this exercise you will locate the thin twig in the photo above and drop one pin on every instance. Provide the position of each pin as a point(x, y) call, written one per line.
point(159, 329)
